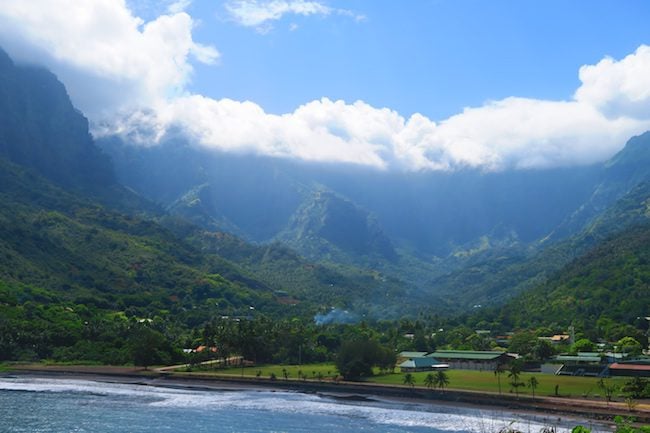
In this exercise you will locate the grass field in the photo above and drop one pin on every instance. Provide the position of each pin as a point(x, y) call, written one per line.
point(311, 371)
point(486, 381)
point(568, 386)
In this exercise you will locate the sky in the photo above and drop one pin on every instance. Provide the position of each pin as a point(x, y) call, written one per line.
point(396, 85)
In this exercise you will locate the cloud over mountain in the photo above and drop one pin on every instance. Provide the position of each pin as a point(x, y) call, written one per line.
point(108, 58)
point(130, 77)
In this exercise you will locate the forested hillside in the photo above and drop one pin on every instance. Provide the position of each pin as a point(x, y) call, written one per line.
point(605, 293)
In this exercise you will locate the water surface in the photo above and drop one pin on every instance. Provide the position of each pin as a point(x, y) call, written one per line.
point(30, 404)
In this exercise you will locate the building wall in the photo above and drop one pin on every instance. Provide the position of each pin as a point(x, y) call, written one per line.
point(473, 365)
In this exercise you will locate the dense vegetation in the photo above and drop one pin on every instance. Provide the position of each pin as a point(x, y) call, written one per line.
point(603, 293)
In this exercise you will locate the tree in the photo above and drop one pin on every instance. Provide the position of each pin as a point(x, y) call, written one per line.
point(583, 345)
point(357, 356)
point(498, 371)
point(636, 387)
point(409, 380)
point(386, 359)
point(532, 384)
point(543, 350)
point(149, 347)
point(523, 343)
point(608, 389)
point(514, 374)
point(629, 345)
point(429, 381)
point(441, 379)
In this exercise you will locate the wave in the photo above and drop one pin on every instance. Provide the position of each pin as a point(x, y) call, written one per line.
point(441, 418)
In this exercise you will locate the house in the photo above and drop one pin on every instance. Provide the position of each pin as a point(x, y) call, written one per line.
point(472, 360)
point(421, 364)
point(561, 338)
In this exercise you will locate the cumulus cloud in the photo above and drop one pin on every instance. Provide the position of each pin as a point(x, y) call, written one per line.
point(618, 88)
point(130, 77)
point(511, 133)
point(260, 13)
point(100, 44)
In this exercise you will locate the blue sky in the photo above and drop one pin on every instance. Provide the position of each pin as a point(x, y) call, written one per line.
point(407, 85)
point(432, 57)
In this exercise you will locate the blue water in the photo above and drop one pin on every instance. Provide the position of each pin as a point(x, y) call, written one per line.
point(30, 404)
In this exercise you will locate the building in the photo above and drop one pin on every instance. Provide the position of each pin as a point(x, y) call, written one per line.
point(633, 368)
point(403, 356)
point(421, 364)
point(582, 364)
point(472, 360)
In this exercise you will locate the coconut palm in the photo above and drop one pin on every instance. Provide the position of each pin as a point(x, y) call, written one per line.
point(514, 375)
point(498, 371)
point(532, 384)
point(409, 380)
point(430, 381)
point(441, 379)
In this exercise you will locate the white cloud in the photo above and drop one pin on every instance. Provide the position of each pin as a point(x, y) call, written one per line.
point(178, 6)
point(618, 88)
point(131, 77)
point(100, 43)
point(260, 13)
point(512, 133)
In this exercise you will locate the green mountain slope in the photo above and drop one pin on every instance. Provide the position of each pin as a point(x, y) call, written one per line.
point(620, 174)
point(61, 252)
point(493, 276)
point(366, 293)
point(331, 228)
point(609, 284)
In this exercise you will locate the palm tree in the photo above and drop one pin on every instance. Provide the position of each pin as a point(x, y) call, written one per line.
point(409, 380)
point(430, 381)
point(514, 374)
point(498, 371)
point(441, 379)
point(532, 384)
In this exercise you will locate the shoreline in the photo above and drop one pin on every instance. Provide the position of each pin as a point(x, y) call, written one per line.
point(559, 408)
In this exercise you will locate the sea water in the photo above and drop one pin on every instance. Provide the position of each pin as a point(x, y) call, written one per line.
point(31, 404)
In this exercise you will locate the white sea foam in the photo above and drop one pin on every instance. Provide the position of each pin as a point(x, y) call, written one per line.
point(387, 413)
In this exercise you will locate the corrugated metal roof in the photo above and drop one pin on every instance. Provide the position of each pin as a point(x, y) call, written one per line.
point(567, 358)
point(466, 354)
point(637, 367)
point(419, 363)
point(407, 354)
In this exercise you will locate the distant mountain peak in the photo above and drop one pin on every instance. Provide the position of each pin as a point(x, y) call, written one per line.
point(327, 221)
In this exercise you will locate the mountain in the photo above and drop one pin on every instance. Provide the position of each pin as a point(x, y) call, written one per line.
point(495, 275)
point(470, 237)
point(618, 176)
point(67, 261)
point(412, 227)
point(39, 128)
point(85, 261)
point(427, 214)
point(606, 291)
point(329, 227)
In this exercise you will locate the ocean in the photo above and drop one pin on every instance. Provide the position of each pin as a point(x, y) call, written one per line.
point(33, 404)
